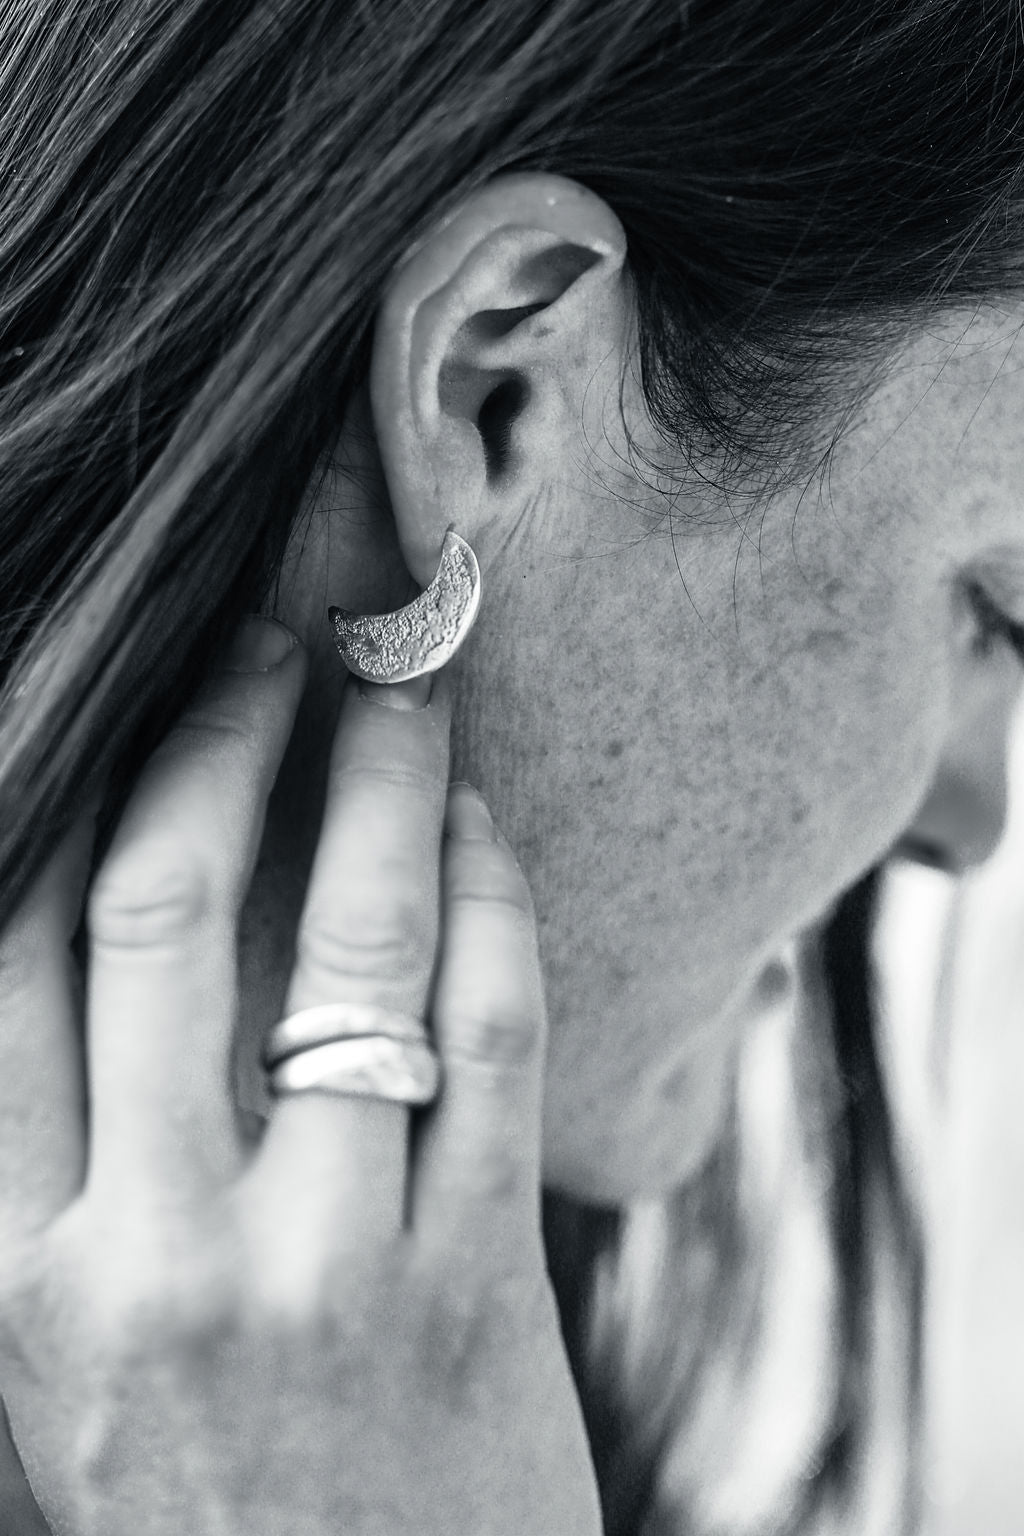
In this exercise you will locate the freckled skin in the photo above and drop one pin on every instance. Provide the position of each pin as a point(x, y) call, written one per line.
point(692, 749)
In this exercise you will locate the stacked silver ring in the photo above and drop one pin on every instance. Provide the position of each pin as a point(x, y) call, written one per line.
point(352, 1049)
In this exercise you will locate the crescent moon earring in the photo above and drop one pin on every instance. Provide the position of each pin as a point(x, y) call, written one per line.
point(421, 637)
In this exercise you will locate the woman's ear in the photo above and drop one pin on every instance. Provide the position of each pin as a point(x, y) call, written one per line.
point(488, 334)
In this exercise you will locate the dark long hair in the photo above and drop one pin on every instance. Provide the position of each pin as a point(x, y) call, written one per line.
point(200, 201)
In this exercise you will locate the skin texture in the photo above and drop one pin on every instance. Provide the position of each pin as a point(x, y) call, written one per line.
point(693, 743)
point(348, 1327)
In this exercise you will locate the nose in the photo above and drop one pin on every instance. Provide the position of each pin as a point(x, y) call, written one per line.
point(959, 824)
point(961, 819)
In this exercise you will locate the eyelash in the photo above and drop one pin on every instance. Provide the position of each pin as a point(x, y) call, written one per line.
point(993, 625)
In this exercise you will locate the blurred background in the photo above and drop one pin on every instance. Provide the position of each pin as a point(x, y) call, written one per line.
point(952, 958)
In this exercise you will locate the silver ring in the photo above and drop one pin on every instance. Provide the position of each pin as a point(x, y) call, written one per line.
point(366, 1066)
point(337, 1021)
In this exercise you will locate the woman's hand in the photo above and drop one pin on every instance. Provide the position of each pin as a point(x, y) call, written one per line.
point(349, 1330)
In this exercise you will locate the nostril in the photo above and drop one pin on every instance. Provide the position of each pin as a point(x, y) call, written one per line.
point(920, 850)
point(961, 822)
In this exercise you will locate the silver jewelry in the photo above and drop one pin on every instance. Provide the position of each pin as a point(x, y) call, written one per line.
point(337, 1021)
point(424, 635)
point(366, 1066)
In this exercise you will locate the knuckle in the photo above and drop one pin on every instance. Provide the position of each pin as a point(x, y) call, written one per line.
point(212, 723)
point(339, 1305)
point(25, 1294)
point(467, 1322)
point(149, 1308)
point(361, 776)
point(392, 940)
point(153, 1319)
point(469, 1339)
point(147, 896)
point(502, 1037)
point(486, 872)
point(500, 1176)
point(165, 875)
point(451, 1323)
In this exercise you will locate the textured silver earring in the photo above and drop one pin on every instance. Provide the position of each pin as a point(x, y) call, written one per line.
point(392, 647)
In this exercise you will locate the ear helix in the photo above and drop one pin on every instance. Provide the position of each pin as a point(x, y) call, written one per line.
point(424, 635)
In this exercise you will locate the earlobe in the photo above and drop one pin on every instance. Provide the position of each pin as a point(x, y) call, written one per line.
point(485, 341)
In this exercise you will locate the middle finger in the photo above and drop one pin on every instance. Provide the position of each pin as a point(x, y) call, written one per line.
point(368, 935)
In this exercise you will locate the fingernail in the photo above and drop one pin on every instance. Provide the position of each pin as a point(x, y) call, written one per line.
point(258, 645)
point(466, 814)
point(412, 694)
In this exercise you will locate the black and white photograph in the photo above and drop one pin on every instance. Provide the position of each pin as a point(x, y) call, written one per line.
point(511, 768)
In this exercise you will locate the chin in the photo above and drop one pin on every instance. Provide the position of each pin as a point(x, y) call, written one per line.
point(650, 1158)
point(617, 1148)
